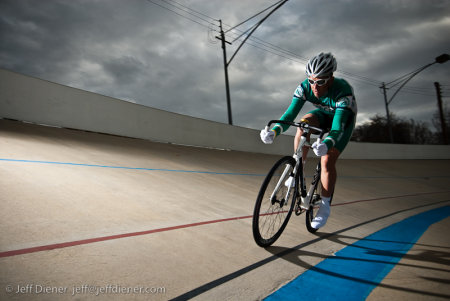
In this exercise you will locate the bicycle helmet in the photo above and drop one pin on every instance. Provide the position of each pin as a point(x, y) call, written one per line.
point(322, 65)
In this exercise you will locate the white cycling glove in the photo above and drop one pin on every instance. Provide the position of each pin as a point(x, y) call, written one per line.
point(267, 136)
point(320, 149)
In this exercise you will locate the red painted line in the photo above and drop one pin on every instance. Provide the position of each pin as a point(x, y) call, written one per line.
point(104, 238)
point(125, 235)
point(389, 197)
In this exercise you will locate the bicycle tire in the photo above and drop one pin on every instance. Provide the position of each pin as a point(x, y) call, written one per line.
point(315, 201)
point(314, 204)
point(270, 217)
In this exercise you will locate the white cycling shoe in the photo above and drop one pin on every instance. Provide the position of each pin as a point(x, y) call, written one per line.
point(322, 215)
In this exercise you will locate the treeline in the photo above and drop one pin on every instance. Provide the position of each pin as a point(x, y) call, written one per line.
point(404, 131)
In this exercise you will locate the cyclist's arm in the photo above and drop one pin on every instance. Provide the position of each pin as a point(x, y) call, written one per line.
point(298, 100)
point(340, 120)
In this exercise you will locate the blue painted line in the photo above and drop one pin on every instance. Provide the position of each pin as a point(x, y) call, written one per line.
point(205, 172)
point(133, 168)
point(357, 269)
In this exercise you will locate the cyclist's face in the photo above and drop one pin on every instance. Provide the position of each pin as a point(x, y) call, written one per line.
point(320, 85)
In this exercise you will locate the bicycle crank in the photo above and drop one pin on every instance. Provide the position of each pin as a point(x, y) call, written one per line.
point(298, 210)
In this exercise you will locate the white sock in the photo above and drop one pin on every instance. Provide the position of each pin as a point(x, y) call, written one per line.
point(325, 199)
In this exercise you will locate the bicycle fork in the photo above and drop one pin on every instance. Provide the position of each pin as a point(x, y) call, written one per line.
point(284, 177)
point(280, 184)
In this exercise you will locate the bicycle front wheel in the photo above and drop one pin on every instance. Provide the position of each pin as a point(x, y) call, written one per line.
point(274, 205)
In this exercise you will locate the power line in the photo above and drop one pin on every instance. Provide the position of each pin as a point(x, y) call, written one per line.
point(399, 80)
point(188, 11)
point(208, 22)
point(254, 27)
point(416, 93)
point(301, 59)
point(201, 18)
point(289, 55)
point(184, 9)
point(254, 16)
point(226, 62)
point(270, 46)
point(274, 49)
point(359, 78)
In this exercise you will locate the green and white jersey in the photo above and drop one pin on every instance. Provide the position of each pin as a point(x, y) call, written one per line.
point(339, 104)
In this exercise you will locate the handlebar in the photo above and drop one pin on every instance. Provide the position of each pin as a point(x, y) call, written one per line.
point(300, 124)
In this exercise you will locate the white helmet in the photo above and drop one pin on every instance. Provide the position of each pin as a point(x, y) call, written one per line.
point(322, 65)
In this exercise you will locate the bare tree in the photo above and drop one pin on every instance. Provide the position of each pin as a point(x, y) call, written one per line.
point(438, 126)
point(404, 131)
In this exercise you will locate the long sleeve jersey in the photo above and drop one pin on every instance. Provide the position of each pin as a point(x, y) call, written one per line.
point(339, 103)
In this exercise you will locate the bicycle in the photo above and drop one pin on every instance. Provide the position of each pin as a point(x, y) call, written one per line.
point(278, 198)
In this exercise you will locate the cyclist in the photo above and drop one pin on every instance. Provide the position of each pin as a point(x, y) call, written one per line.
point(335, 108)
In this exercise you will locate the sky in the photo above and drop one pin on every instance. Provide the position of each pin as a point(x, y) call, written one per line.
point(164, 54)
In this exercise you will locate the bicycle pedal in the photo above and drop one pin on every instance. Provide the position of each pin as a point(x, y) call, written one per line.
point(299, 211)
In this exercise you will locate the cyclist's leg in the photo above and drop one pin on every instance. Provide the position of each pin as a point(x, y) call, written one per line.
point(313, 120)
point(329, 174)
point(328, 180)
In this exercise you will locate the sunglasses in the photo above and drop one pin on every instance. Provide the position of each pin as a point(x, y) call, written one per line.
point(319, 82)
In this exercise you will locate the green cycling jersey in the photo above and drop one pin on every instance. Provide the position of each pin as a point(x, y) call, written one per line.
point(338, 104)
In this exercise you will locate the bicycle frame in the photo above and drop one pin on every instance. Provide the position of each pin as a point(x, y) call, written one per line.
point(271, 215)
point(298, 156)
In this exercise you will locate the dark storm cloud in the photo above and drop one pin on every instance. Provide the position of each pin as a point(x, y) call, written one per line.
point(137, 51)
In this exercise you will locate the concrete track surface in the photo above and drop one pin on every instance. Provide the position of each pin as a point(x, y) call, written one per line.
point(85, 214)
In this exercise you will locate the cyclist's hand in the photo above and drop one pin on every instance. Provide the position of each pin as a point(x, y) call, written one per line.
point(320, 149)
point(267, 136)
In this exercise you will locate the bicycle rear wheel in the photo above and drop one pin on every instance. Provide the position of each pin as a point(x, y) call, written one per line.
point(273, 207)
point(314, 203)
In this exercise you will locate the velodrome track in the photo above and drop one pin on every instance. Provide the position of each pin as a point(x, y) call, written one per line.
point(85, 214)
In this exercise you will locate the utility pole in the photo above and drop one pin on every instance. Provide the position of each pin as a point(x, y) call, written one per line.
point(225, 65)
point(388, 116)
point(441, 113)
point(405, 79)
